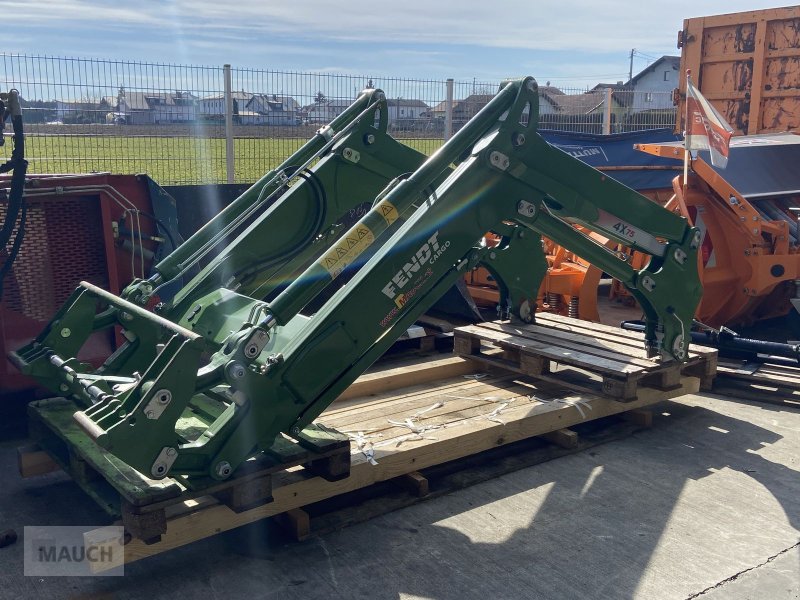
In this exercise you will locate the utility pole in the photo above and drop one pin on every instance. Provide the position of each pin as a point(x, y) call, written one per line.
point(630, 69)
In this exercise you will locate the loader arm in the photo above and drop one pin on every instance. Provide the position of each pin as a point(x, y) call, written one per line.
point(268, 368)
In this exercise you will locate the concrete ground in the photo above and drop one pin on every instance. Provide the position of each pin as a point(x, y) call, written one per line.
point(706, 504)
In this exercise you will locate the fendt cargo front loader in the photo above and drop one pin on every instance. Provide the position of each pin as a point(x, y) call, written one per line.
point(259, 344)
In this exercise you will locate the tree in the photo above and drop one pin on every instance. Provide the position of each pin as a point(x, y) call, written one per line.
point(319, 98)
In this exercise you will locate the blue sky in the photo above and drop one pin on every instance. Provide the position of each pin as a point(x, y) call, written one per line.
point(569, 42)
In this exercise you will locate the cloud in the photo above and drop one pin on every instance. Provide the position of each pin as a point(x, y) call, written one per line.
point(567, 40)
point(578, 25)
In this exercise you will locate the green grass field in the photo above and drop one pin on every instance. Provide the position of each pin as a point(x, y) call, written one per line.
point(169, 160)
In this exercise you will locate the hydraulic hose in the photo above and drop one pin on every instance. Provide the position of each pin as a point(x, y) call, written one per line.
point(16, 201)
point(730, 344)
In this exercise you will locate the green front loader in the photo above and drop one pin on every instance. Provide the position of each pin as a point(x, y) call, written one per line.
point(315, 271)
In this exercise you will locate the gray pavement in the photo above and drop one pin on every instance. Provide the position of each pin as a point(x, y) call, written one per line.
point(706, 504)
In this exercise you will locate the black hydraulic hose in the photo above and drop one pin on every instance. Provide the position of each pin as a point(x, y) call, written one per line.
point(19, 165)
point(16, 200)
point(730, 344)
point(160, 224)
point(322, 207)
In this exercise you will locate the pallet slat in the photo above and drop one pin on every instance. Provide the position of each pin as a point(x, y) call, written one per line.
point(614, 356)
point(761, 381)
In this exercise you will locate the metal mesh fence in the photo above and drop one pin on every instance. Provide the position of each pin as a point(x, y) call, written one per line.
point(84, 115)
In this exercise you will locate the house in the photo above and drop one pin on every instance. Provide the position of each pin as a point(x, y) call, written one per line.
point(593, 101)
point(142, 108)
point(464, 110)
point(652, 87)
point(212, 108)
point(81, 112)
point(325, 111)
point(400, 109)
point(270, 109)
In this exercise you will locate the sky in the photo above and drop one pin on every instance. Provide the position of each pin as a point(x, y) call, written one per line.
point(575, 43)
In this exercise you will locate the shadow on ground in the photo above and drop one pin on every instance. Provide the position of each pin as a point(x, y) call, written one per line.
point(666, 513)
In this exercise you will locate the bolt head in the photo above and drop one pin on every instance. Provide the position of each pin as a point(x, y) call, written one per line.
point(223, 469)
point(64, 387)
point(65, 332)
point(171, 452)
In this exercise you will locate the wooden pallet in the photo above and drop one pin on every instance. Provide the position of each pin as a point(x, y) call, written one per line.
point(762, 381)
point(588, 357)
point(142, 503)
point(394, 433)
point(367, 503)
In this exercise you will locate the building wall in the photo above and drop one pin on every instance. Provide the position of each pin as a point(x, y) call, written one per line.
point(653, 90)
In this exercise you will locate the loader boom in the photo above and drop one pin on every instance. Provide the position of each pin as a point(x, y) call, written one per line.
point(257, 340)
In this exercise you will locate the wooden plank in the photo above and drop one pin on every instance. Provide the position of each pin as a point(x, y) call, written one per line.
point(584, 332)
point(570, 341)
point(579, 359)
point(450, 443)
point(759, 393)
point(564, 438)
point(389, 406)
point(761, 382)
point(767, 376)
point(415, 372)
point(641, 417)
point(33, 461)
point(579, 325)
point(415, 483)
point(607, 333)
point(297, 523)
point(443, 413)
point(376, 390)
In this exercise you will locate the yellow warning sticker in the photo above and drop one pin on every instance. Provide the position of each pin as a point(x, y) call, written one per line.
point(388, 211)
point(347, 250)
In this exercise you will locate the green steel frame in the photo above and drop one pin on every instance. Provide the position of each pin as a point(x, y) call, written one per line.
point(258, 343)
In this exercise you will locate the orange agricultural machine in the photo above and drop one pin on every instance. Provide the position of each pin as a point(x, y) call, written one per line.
point(748, 216)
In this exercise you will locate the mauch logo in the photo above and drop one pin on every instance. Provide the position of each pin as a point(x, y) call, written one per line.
point(428, 253)
point(73, 551)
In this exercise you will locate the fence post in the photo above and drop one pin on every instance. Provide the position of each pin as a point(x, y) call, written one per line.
point(448, 111)
point(607, 113)
point(228, 125)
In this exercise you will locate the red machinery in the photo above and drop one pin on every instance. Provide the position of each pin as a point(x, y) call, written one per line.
point(100, 228)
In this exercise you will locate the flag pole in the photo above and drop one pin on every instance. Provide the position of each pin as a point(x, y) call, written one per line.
point(687, 133)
